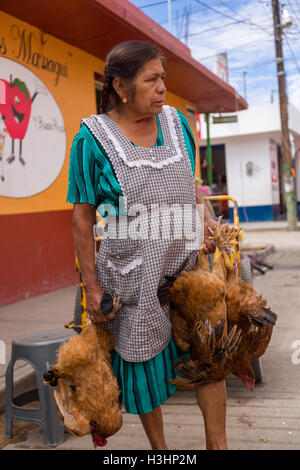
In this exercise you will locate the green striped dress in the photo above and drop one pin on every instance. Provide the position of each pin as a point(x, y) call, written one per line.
point(144, 385)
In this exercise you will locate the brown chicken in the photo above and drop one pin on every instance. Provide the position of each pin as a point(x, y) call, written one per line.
point(87, 395)
point(247, 310)
point(199, 319)
point(218, 317)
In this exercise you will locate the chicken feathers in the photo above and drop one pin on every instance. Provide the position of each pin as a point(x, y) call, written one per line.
point(215, 361)
point(87, 395)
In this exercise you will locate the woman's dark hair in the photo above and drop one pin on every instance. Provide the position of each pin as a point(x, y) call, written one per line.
point(124, 61)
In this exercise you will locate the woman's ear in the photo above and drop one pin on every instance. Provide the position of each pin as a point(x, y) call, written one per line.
point(119, 88)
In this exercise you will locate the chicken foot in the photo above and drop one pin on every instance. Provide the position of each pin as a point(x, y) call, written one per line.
point(224, 234)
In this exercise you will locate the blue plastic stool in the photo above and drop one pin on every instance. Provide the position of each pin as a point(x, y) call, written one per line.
point(39, 350)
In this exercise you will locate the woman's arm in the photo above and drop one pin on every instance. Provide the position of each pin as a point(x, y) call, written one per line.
point(84, 218)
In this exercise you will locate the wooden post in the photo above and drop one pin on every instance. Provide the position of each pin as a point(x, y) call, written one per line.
point(286, 146)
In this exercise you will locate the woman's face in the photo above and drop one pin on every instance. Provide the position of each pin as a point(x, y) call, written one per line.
point(150, 89)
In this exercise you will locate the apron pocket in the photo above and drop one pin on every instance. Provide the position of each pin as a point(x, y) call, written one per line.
point(125, 264)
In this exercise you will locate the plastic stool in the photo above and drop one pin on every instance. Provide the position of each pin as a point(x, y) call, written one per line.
point(39, 350)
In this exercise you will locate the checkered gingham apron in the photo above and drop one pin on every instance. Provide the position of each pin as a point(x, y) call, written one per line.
point(134, 266)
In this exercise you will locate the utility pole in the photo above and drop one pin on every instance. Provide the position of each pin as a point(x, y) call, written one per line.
point(285, 137)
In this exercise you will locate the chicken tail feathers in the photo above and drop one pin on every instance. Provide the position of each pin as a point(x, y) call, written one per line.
point(181, 383)
point(270, 316)
point(214, 343)
point(216, 355)
point(232, 341)
point(192, 372)
point(265, 318)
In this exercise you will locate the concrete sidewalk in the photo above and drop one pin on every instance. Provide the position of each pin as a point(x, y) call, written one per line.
point(266, 226)
point(267, 418)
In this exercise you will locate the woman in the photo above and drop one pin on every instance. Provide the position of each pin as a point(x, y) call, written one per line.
point(144, 151)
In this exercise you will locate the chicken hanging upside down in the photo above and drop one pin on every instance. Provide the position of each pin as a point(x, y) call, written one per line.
point(87, 395)
point(247, 310)
point(218, 317)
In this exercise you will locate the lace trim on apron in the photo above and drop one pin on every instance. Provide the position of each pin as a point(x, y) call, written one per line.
point(155, 157)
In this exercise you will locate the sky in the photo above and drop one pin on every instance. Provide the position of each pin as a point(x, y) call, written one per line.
point(244, 30)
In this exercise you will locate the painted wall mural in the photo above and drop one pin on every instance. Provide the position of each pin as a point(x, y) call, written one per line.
point(32, 132)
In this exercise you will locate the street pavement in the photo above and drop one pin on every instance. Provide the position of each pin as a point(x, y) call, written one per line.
point(266, 419)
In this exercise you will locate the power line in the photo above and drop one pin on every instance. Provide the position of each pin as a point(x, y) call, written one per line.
point(197, 10)
point(236, 21)
point(297, 3)
point(153, 4)
point(294, 12)
point(234, 48)
point(212, 29)
point(259, 64)
point(264, 4)
point(178, 16)
point(292, 53)
point(248, 22)
point(230, 8)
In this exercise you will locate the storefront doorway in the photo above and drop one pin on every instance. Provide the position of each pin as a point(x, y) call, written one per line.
point(219, 180)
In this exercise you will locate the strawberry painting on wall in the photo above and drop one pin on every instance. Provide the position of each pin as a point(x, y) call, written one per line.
point(15, 110)
point(32, 132)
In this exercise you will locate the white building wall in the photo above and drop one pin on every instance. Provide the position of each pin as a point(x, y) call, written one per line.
point(248, 140)
point(294, 119)
point(254, 120)
point(249, 190)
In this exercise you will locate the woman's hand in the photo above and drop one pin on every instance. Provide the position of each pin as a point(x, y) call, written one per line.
point(93, 299)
